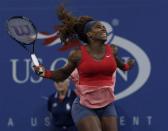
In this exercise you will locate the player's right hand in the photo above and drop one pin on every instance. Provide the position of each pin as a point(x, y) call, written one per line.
point(39, 70)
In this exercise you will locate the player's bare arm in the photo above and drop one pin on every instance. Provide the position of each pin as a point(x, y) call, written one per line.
point(64, 72)
point(120, 63)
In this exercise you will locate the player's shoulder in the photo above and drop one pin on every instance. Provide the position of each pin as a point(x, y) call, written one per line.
point(75, 54)
point(75, 51)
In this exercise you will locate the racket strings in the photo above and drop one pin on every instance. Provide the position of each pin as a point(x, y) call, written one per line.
point(23, 31)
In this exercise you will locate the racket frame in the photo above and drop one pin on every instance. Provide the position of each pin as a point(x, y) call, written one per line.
point(32, 54)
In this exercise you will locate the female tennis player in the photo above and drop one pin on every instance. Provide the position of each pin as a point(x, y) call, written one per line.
point(96, 63)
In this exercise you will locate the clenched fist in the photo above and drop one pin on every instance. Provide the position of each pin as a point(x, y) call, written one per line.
point(40, 70)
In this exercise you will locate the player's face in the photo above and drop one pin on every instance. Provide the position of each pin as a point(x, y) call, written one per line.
point(98, 32)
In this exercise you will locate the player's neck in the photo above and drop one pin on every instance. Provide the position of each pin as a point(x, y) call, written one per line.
point(96, 48)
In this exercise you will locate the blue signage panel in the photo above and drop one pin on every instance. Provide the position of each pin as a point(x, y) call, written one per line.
point(137, 27)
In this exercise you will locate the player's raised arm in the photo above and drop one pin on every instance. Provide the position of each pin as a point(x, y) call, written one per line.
point(62, 73)
point(121, 64)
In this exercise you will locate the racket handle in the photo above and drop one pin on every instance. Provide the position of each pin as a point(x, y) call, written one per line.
point(35, 60)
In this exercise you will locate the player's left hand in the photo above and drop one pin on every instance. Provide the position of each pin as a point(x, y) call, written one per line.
point(131, 62)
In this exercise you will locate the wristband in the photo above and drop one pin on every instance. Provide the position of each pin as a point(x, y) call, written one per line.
point(48, 74)
point(126, 67)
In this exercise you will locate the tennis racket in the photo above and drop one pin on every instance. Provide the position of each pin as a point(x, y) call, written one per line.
point(22, 30)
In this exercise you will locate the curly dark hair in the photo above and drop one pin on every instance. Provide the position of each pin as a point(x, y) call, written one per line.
point(71, 27)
